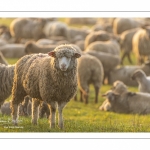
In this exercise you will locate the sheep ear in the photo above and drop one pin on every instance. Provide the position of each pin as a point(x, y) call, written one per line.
point(52, 54)
point(77, 55)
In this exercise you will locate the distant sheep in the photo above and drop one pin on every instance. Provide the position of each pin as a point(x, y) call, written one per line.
point(141, 45)
point(143, 80)
point(90, 71)
point(96, 36)
point(108, 61)
point(126, 43)
point(32, 47)
point(56, 28)
point(130, 103)
point(110, 46)
point(124, 74)
point(13, 50)
point(54, 82)
point(27, 28)
point(122, 24)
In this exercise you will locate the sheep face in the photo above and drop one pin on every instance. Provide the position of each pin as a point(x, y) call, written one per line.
point(138, 74)
point(65, 58)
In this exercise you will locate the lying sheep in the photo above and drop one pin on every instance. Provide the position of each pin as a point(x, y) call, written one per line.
point(56, 28)
point(122, 24)
point(141, 45)
point(27, 28)
point(45, 41)
point(126, 43)
point(110, 46)
point(31, 47)
point(2, 59)
point(13, 50)
point(143, 81)
point(118, 87)
point(124, 74)
point(90, 71)
point(133, 103)
point(51, 78)
point(108, 61)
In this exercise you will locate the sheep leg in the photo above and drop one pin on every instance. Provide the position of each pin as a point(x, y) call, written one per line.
point(52, 107)
point(35, 110)
point(15, 112)
point(96, 93)
point(75, 97)
point(85, 96)
point(81, 95)
point(122, 58)
point(61, 105)
point(129, 58)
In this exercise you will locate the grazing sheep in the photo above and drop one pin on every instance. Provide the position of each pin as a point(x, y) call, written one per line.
point(124, 74)
point(133, 103)
point(108, 61)
point(51, 78)
point(141, 44)
point(122, 24)
point(143, 81)
point(126, 43)
point(2, 59)
point(96, 36)
point(27, 28)
point(31, 47)
point(13, 50)
point(90, 71)
point(110, 46)
point(56, 28)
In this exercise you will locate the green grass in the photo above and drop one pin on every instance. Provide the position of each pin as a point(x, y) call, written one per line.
point(79, 117)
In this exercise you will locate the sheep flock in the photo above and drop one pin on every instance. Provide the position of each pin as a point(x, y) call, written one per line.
point(57, 61)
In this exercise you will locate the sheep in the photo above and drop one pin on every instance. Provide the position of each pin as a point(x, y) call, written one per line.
point(123, 24)
point(6, 80)
point(96, 36)
point(124, 73)
point(111, 46)
point(2, 59)
point(27, 28)
point(142, 79)
point(141, 44)
point(56, 28)
point(85, 21)
point(51, 78)
point(126, 43)
point(108, 61)
point(90, 71)
point(13, 50)
point(45, 41)
point(44, 110)
point(76, 34)
point(31, 47)
point(118, 87)
point(129, 103)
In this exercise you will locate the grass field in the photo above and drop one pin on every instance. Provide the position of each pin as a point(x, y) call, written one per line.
point(82, 118)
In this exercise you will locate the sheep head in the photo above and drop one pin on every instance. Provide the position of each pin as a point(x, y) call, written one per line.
point(138, 74)
point(66, 55)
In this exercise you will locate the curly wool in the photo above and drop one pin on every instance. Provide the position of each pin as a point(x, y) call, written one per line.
point(6, 80)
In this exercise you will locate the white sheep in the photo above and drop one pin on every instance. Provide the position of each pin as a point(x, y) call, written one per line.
point(143, 80)
point(51, 78)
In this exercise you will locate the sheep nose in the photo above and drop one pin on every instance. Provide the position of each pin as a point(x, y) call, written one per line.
point(63, 65)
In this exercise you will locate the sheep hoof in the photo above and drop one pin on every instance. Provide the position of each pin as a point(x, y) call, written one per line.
point(15, 122)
